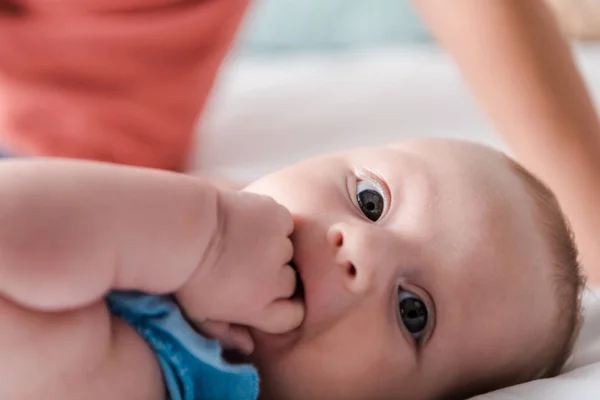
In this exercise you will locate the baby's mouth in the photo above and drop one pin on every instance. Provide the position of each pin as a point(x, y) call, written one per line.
point(299, 293)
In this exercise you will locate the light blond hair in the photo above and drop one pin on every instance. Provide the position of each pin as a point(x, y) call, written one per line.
point(568, 284)
point(569, 281)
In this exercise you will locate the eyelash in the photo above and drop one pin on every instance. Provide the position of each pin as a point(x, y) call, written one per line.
point(376, 179)
point(427, 333)
point(361, 175)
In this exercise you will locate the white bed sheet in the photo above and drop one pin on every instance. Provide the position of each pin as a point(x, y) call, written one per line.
point(268, 113)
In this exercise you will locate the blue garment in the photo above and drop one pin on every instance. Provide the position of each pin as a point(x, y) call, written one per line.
point(192, 365)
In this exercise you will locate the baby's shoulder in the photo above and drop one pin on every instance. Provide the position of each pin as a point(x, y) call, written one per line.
point(85, 353)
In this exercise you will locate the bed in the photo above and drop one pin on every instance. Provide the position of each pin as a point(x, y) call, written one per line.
point(268, 112)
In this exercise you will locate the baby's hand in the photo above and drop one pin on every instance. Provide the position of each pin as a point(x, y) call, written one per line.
point(244, 278)
point(230, 336)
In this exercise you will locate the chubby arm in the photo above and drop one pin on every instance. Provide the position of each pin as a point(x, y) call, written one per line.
point(72, 230)
point(521, 70)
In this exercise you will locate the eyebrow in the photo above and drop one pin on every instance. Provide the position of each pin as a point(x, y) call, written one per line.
point(412, 274)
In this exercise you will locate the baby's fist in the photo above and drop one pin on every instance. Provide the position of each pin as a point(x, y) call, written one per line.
point(244, 277)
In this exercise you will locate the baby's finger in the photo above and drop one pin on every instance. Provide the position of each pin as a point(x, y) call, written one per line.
point(214, 329)
point(284, 218)
point(281, 316)
point(287, 250)
point(230, 336)
point(239, 338)
point(286, 286)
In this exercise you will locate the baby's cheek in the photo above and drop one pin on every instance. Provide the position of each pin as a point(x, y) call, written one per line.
point(361, 368)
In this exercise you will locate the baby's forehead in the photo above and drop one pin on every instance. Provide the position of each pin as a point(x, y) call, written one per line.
point(467, 185)
point(477, 202)
point(456, 154)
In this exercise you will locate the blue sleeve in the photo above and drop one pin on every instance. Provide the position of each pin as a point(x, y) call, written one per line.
point(192, 366)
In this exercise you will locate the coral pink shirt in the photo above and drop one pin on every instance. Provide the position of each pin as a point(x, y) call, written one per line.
point(114, 80)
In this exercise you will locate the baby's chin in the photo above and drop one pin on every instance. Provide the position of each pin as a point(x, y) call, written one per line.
point(268, 342)
point(270, 349)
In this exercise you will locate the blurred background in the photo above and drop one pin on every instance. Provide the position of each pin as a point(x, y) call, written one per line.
point(288, 26)
point(311, 76)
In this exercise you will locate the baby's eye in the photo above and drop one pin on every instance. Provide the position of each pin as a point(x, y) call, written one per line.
point(413, 313)
point(370, 200)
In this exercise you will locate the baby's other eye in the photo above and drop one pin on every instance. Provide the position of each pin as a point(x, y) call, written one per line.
point(413, 313)
point(370, 199)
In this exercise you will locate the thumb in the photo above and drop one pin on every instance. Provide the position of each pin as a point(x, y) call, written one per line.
point(230, 336)
point(281, 316)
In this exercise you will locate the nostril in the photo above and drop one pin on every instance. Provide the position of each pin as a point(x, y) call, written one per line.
point(339, 239)
point(351, 270)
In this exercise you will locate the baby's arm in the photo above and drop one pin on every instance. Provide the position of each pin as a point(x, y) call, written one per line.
point(70, 231)
point(521, 70)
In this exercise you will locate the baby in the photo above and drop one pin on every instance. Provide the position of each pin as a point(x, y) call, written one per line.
point(429, 269)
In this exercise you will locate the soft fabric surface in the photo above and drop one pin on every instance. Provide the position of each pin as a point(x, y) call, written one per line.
point(268, 113)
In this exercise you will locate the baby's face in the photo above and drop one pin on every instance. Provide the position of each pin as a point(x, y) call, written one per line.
point(422, 267)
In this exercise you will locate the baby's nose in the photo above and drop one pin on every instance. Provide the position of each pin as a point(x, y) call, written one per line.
point(353, 256)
